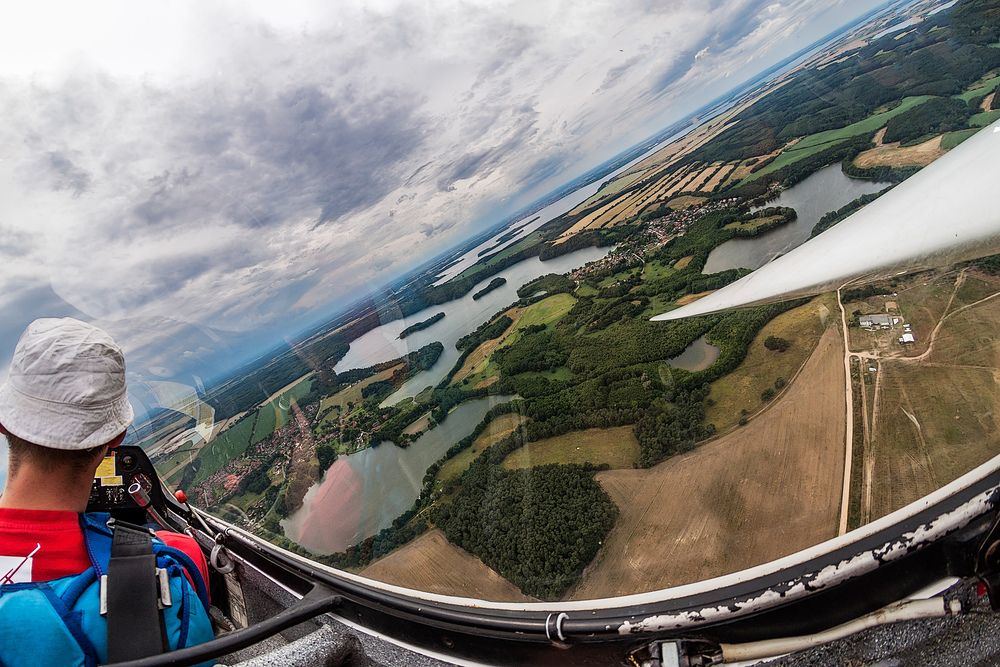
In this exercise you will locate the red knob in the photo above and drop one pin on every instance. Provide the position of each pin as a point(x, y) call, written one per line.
point(180, 496)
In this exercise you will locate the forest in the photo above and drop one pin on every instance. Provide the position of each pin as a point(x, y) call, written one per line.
point(537, 527)
point(494, 284)
point(944, 54)
point(420, 326)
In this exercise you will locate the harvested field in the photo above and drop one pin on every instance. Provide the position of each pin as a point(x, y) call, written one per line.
point(691, 298)
point(894, 155)
point(480, 354)
point(683, 262)
point(615, 446)
point(680, 203)
point(353, 393)
point(741, 389)
point(703, 176)
point(482, 384)
point(418, 425)
point(937, 417)
point(718, 178)
point(430, 563)
point(767, 490)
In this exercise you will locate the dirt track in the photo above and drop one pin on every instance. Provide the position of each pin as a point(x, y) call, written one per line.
point(767, 490)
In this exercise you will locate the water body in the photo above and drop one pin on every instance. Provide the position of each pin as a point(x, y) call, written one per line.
point(362, 493)
point(897, 27)
point(462, 317)
point(697, 356)
point(826, 190)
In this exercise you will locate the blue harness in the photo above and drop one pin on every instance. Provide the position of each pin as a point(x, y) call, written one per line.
point(59, 622)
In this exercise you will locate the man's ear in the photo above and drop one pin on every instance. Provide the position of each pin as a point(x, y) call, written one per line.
point(3, 429)
point(111, 445)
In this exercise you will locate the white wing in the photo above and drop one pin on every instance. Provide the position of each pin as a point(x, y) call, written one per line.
point(947, 212)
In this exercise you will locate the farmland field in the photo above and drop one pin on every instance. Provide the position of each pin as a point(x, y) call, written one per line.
point(498, 429)
point(937, 416)
point(741, 389)
point(615, 446)
point(713, 510)
point(814, 143)
point(431, 563)
point(226, 446)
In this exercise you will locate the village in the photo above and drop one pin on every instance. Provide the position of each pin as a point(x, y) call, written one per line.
point(657, 233)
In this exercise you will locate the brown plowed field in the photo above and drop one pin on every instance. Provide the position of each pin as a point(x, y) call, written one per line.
point(894, 155)
point(430, 563)
point(769, 489)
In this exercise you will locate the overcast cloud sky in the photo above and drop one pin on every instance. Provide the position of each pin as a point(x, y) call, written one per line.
point(196, 175)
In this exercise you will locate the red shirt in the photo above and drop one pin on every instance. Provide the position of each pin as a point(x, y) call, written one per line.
point(54, 542)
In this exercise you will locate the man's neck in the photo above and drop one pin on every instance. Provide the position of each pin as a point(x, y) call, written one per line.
point(31, 490)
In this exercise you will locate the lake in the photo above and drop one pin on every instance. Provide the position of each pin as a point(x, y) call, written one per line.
point(826, 190)
point(462, 317)
point(362, 493)
point(697, 356)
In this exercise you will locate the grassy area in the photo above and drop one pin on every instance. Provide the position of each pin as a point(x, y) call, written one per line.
point(228, 445)
point(984, 86)
point(753, 224)
point(741, 389)
point(953, 139)
point(267, 421)
point(815, 143)
point(655, 270)
point(545, 311)
point(615, 446)
point(585, 290)
point(985, 118)
point(353, 393)
point(176, 458)
point(560, 373)
point(498, 429)
point(683, 262)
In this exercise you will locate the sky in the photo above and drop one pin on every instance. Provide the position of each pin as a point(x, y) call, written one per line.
point(200, 177)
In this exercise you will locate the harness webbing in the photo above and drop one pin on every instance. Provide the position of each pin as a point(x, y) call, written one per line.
point(135, 626)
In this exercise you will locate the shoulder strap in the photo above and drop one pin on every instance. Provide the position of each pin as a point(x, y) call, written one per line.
point(185, 561)
point(135, 628)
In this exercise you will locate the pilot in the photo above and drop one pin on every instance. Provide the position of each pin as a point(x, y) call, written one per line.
point(62, 407)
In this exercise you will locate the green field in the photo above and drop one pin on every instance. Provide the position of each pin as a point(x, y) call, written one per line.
point(652, 271)
point(982, 87)
point(545, 311)
point(228, 445)
point(585, 290)
point(497, 429)
point(814, 143)
point(615, 446)
point(266, 422)
point(752, 224)
point(274, 414)
point(985, 118)
point(952, 139)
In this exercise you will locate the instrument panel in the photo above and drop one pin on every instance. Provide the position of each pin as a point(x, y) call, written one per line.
point(125, 480)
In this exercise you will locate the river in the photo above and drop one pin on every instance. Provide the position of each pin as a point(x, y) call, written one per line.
point(462, 316)
point(826, 190)
point(362, 493)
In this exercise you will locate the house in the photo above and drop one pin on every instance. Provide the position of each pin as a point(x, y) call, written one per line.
point(907, 338)
point(875, 321)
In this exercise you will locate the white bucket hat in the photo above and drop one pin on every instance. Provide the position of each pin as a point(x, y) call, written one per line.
point(66, 386)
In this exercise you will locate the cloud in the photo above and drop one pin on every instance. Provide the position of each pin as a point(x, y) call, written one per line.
point(277, 166)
